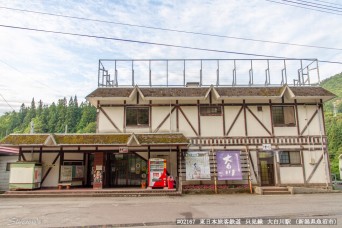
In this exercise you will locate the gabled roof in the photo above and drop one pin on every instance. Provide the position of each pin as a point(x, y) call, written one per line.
point(301, 91)
point(112, 92)
point(174, 93)
point(25, 139)
point(231, 92)
point(157, 139)
point(201, 93)
point(129, 139)
point(91, 139)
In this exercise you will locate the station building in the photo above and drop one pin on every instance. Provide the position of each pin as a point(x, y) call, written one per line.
point(276, 132)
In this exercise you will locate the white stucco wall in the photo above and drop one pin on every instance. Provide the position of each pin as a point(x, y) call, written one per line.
point(291, 175)
point(52, 179)
point(4, 175)
point(239, 126)
point(310, 160)
point(116, 114)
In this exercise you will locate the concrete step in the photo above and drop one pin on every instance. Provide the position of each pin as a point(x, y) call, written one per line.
point(276, 193)
point(274, 188)
point(46, 192)
point(89, 195)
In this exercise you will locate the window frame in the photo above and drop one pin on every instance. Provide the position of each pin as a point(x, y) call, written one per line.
point(210, 107)
point(137, 117)
point(290, 162)
point(284, 124)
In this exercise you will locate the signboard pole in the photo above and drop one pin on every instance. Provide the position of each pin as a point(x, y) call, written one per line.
point(249, 171)
point(215, 176)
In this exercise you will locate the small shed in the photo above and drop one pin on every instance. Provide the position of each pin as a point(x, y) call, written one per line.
point(7, 156)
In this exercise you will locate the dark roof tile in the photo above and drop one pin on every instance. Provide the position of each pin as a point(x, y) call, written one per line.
point(311, 91)
point(249, 91)
point(111, 92)
point(174, 92)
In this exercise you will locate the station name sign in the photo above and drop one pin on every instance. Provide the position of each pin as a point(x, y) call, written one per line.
point(123, 150)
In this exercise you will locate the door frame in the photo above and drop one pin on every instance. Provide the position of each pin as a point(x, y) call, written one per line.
point(272, 172)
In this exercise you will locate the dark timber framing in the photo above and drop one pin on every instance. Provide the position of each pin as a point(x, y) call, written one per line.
point(259, 121)
point(271, 113)
point(309, 122)
point(49, 170)
point(234, 121)
point(245, 117)
point(110, 120)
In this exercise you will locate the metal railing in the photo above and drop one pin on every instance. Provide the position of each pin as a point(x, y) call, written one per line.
point(207, 72)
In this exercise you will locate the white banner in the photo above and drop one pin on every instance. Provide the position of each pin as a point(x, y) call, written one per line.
point(197, 165)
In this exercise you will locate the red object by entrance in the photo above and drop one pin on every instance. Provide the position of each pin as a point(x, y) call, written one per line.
point(157, 173)
point(170, 182)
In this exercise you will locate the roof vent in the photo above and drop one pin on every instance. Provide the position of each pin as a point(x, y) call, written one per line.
point(192, 84)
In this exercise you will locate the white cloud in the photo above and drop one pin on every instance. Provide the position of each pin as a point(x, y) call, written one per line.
point(51, 66)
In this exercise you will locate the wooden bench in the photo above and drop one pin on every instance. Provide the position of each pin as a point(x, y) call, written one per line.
point(61, 185)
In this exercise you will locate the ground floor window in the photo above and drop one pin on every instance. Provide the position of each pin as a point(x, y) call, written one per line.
point(289, 158)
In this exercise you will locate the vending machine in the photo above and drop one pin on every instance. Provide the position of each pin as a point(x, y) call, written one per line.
point(157, 172)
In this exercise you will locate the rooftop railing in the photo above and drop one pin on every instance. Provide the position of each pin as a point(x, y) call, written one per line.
point(207, 72)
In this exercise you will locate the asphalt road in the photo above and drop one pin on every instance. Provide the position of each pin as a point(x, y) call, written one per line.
point(163, 211)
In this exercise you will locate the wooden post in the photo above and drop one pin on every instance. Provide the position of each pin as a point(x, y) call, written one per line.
point(297, 118)
point(180, 184)
point(245, 116)
point(150, 116)
point(177, 116)
point(271, 113)
point(249, 173)
point(215, 172)
point(20, 153)
point(199, 118)
point(40, 154)
point(61, 159)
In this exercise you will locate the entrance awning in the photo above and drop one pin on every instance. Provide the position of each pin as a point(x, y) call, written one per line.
point(62, 140)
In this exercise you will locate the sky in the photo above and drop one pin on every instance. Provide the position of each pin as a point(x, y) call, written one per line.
point(48, 67)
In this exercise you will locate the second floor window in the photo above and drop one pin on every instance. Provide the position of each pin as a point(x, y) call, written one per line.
point(283, 116)
point(137, 116)
point(210, 111)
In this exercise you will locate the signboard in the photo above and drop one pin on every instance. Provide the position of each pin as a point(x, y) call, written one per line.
point(78, 171)
point(266, 147)
point(37, 174)
point(197, 165)
point(66, 173)
point(228, 165)
point(123, 149)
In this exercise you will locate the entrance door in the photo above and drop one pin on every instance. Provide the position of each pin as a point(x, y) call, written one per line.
point(266, 168)
point(127, 170)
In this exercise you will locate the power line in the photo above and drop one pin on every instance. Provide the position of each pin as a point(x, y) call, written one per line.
point(325, 5)
point(7, 102)
point(314, 5)
point(302, 7)
point(331, 3)
point(152, 43)
point(172, 30)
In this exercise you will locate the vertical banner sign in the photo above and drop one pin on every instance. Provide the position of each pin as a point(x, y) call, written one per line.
point(228, 165)
point(197, 165)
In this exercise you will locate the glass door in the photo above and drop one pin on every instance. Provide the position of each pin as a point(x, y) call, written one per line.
point(266, 168)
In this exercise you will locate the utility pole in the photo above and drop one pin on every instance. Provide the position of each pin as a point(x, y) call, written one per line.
point(32, 127)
